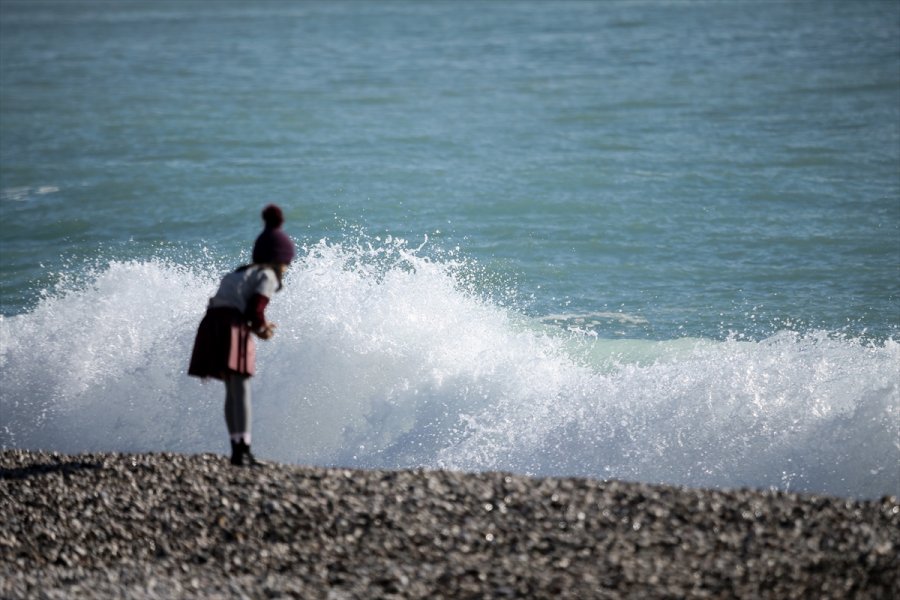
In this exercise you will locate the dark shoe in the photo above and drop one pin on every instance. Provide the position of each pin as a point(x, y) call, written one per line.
point(237, 454)
point(242, 457)
point(249, 459)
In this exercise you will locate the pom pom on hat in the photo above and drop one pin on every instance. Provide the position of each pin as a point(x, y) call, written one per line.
point(273, 245)
point(273, 216)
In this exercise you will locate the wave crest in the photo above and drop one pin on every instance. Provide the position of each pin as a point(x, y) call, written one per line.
point(389, 358)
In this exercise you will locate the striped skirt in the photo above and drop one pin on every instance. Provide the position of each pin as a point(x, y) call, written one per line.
point(224, 344)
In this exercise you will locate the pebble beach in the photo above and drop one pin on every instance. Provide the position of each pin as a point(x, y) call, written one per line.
point(173, 525)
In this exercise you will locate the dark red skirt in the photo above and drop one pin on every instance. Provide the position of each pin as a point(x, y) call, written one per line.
point(224, 344)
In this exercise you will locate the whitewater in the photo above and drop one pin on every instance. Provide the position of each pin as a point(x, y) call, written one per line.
point(391, 356)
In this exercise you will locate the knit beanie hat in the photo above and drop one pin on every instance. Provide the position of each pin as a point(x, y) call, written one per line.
point(273, 245)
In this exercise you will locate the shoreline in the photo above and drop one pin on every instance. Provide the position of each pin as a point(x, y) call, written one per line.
point(164, 525)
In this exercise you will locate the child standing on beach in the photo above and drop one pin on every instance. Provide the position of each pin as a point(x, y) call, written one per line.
point(224, 347)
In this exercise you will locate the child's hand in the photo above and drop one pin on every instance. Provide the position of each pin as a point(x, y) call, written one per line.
point(267, 331)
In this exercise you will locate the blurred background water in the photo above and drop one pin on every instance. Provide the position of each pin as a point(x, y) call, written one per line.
point(618, 176)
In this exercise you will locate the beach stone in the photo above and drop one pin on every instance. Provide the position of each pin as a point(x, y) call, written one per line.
point(167, 525)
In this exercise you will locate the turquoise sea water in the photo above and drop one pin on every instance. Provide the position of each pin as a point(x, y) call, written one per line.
point(648, 240)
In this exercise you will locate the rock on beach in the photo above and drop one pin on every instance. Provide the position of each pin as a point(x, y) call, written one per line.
point(170, 526)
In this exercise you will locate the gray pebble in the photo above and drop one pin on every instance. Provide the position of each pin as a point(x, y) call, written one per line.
point(170, 526)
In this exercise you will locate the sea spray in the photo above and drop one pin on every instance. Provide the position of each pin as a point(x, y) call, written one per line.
point(98, 363)
point(796, 411)
point(388, 356)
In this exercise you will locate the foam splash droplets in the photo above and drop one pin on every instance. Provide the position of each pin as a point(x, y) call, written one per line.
point(95, 365)
point(799, 412)
point(386, 357)
point(385, 348)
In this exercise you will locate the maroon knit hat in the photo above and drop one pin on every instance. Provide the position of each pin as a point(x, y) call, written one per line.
point(273, 245)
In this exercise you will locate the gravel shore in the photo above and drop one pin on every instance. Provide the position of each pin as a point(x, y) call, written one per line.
point(171, 526)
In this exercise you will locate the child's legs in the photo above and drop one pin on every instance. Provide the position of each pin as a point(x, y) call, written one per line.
point(237, 407)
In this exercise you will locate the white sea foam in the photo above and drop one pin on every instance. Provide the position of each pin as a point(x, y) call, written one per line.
point(20, 194)
point(386, 358)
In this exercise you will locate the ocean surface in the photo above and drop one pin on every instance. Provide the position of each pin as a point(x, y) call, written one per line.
point(653, 240)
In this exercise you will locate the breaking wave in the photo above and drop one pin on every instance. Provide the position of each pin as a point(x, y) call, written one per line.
point(386, 357)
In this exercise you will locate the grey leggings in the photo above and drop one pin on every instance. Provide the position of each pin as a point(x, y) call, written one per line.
point(237, 407)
